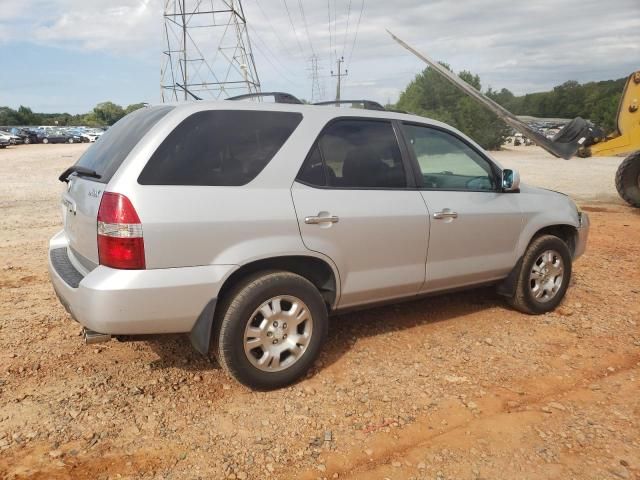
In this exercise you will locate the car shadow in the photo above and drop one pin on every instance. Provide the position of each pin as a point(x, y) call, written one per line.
point(175, 350)
point(346, 329)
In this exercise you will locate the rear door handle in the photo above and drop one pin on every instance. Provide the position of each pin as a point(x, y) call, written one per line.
point(446, 213)
point(321, 219)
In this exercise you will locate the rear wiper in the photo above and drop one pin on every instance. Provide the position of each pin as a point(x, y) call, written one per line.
point(82, 171)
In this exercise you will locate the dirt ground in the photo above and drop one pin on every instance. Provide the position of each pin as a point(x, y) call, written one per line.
point(451, 387)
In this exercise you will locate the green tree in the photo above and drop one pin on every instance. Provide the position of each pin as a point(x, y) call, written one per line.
point(108, 113)
point(8, 116)
point(432, 96)
point(25, 116)
point(133, 107)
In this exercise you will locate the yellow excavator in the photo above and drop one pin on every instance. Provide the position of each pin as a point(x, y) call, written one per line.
point(578, 137)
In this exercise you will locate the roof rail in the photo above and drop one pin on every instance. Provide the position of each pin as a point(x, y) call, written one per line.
point(366, 104)
point(279, 97)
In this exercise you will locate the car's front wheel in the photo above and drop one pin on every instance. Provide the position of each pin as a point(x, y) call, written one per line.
point(544, 276)
point(270, 329)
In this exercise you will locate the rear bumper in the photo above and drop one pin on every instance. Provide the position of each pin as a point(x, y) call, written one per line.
point(582, 236)
point(131, 302)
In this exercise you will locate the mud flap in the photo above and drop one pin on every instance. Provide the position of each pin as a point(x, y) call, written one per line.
point(507, 288)
point(200, 334)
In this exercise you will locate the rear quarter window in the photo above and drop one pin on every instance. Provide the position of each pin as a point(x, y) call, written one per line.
point(219, 148)
point(107, 154)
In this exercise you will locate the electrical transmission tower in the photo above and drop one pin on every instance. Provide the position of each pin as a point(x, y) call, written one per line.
point(317, 90)
point(207, 51)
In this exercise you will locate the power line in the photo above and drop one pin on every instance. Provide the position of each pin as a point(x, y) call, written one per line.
point(346, 30)
point(330, 38)
point(282, 70)
point(295, 32)
point(275, 32)
point(355, 37)
point(306, 27)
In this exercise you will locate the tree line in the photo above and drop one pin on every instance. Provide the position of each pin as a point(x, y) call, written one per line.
point(103, 114)
point(430, 95)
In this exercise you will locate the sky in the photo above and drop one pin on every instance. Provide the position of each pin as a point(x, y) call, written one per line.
point(69, 55)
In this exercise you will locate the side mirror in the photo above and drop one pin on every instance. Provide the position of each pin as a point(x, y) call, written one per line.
point(510, 180)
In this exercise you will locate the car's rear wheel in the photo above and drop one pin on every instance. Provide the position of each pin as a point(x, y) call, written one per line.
point(27, 141)
point(70, 140)
point(544, 276)
point(270, 329)
point(45, 140)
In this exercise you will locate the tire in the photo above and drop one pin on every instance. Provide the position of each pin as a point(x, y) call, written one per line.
point(70, 140)
point(537, 293)
point(628, 179)
point(45, 140)
point(300, 344)
point(27, 141)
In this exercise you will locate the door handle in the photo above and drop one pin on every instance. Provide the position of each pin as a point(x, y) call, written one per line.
point(318, 219)
point(446, 213)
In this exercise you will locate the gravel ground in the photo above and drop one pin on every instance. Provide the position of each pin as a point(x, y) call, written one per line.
point(451, 387)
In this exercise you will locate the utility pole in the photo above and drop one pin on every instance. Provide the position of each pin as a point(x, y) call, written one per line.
point(209, 40)
point(339, 75)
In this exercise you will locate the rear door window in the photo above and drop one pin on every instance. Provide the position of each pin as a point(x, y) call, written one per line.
point(354, 153)
point(107, 154)
point(219, 148)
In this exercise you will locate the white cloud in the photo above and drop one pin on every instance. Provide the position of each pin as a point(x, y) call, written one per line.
point(523, 46)
point(118, 26)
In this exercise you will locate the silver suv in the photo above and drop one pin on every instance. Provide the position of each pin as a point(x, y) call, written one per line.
point(246, 224)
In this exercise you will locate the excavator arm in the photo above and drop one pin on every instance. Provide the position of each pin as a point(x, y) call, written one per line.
point(578, 135)
point(627, 138)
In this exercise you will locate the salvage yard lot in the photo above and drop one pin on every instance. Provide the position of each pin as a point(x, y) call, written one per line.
point(451, 387)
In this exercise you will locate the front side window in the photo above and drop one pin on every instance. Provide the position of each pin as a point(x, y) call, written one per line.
point(448, 163)
point(355, 154)
point(219, 148)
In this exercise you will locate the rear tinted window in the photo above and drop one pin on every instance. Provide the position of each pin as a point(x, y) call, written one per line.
point(219, 148)
point(108, 153)
point(354, 153)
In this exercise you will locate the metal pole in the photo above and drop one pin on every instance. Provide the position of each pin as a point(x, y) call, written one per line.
point(185, 82)
point(339, 75)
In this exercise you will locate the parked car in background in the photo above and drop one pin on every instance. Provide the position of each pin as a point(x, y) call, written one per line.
point(13, 139)
point(94, 133)
point(59, 136)
point(5, 140)
point(80, 133)
point(28, 136)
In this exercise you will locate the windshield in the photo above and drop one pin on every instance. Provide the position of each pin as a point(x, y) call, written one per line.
point(106, 156)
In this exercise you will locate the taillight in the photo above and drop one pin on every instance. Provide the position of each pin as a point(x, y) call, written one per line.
point(120, 242)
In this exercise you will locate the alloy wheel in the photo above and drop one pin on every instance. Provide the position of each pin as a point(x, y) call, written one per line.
point(278, 333)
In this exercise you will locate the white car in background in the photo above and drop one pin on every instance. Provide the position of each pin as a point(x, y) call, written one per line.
point(5, 140)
